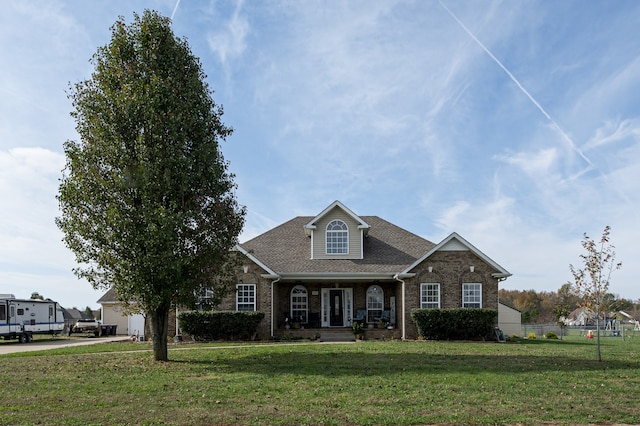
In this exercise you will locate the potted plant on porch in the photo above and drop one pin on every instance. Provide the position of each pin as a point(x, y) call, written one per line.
point(358, 330)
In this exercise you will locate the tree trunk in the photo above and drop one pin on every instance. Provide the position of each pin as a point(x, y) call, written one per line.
point(598, 333)
point(159, 330)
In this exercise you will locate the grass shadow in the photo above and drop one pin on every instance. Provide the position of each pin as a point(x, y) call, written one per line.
point(356, 360)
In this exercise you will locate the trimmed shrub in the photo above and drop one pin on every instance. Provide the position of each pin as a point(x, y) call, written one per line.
point(551, 335)
point(532, 336)
point(216, 325)
point(455, 324)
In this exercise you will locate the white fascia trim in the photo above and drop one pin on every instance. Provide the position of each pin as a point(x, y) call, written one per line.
point(502, 273)
point(254, 259)
point(338, 276)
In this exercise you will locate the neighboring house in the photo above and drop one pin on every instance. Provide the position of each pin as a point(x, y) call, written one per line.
point(509, 320)
point(71, 316)
point(113, 314)
point(631, 318)
point(580, 317)
point(325, 272)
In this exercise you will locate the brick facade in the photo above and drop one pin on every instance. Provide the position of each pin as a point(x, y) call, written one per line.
point(390, 257)
point(450, 269)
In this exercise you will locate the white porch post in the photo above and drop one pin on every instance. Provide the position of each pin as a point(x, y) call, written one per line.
point(404, 328)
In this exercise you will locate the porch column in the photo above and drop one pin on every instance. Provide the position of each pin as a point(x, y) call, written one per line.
point(404, 320)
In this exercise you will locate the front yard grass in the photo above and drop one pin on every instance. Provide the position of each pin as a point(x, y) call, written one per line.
point(367, 383)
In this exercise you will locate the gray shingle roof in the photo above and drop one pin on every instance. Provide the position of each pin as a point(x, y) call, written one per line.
point(387, 249)
point(109, 297)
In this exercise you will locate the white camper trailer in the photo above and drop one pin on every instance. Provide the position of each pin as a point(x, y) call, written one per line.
point(22, 318)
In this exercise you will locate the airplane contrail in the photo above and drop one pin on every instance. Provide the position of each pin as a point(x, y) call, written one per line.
point(175, 8)
point(520, 86)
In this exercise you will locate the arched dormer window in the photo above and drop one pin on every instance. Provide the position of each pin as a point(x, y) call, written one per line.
point(337, 237)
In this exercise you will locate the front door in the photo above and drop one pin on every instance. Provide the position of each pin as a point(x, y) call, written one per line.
point(13, 321)
point(52, 319)
point(336, 314)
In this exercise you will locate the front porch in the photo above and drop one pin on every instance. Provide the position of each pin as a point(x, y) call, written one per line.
point(306, 310)
point(336, 334)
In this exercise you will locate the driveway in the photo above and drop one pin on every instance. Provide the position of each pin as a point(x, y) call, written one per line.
point(9, 347)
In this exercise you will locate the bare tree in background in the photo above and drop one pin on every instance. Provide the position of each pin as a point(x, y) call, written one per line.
point(591, 282)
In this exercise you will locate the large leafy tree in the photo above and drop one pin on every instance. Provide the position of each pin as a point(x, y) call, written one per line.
point(148, 205)
point(591, 281)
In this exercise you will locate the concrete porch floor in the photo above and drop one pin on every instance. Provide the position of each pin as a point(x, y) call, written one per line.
point(337, 334)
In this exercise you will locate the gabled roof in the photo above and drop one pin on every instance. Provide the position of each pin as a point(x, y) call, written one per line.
point(312, 223)
point(455, 242)
point(109, 297)
point(254, 259)
point(286, 250)
point(508, 305)
point(73, 314)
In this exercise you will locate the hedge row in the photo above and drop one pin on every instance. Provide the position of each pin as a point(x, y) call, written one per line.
point(216, 325)
point(456, 324)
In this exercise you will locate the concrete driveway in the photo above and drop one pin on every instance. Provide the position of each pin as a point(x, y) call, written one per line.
point(9, 347)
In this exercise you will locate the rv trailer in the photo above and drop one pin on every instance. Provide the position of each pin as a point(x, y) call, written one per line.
point(22, 318)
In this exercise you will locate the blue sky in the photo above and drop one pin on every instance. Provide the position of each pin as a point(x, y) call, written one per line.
point(515, 124)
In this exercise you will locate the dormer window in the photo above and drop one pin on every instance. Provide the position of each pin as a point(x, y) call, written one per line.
point(337, 237)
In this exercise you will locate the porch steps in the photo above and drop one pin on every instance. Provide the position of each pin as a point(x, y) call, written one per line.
point(337, 336)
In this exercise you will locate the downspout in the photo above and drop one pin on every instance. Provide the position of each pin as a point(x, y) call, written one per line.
point(273, 305)
point(403, 329)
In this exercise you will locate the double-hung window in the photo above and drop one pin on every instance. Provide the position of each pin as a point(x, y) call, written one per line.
point(299, 304)
point(472, 295)
point(337, 237)
point(430, 295)
point(245, 297)
point(375, 303)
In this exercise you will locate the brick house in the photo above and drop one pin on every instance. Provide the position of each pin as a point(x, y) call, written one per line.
point(311, 275)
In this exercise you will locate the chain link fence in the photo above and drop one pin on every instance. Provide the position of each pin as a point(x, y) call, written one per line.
point(541, 329)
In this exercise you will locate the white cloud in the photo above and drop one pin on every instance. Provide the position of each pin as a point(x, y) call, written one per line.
point(229, 42)
point(32, 255)
point(535, 164)
point(28, 184)
point(613, 131)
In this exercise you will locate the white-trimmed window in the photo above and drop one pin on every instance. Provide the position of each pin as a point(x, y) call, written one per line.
point(299, 304)
point(430, 295)
point(375, 303)
point(245, 297)
point(337, 237)
point(472, 295)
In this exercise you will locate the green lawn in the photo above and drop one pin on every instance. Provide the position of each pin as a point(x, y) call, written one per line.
point(530, 382)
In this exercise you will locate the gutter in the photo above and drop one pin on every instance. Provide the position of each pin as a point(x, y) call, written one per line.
point(337, 276)
point(275, 278)
point(401, 278)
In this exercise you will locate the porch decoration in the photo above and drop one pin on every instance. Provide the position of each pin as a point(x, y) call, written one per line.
point(358, 330)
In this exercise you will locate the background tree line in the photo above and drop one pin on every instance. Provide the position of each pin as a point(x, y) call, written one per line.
point(541, 307)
